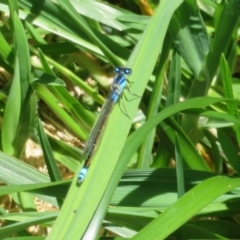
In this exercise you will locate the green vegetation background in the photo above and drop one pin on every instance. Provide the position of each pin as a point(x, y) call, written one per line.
point(184, 57)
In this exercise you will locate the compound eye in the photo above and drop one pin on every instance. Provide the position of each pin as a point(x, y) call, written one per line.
point(116, 69)
point(127, 70)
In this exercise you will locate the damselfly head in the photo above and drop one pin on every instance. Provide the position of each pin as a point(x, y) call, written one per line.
point(123, 70)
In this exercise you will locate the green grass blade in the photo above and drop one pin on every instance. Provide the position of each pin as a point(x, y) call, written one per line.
point(179, 169)
point(16, 227)
point(15, 171)
point(145, 152)
point(228, 92)
point(152, 38)
point(48, 155)
point(87, 30)
point(226, 27)
point(24, 56)
point(189, 35)
point(51, 101)
point(12, 113)
point(230, 151)
point(187, 206)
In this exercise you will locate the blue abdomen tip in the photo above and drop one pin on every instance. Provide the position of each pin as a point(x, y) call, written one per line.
point(82, 175)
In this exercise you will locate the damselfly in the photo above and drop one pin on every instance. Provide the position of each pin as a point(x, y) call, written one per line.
point(118, 85)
